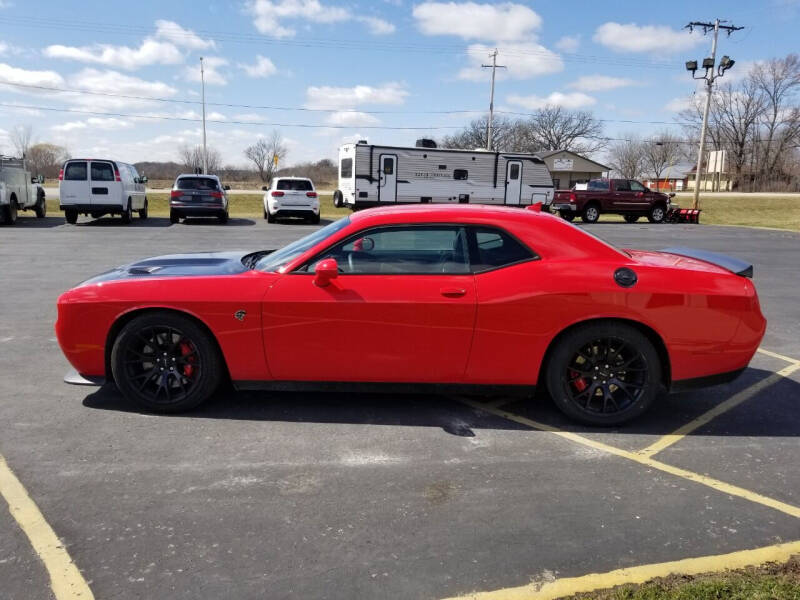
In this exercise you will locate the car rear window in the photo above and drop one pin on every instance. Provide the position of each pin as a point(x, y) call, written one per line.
point(597, 186)
point(295, 185)
point(196, 183)
point(102, 172)
point(75, 171)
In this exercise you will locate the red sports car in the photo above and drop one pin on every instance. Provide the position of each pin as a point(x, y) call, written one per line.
point(464, 298)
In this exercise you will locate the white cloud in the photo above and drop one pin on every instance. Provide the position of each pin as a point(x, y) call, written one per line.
point(3, 47)
point(680, 103)
point(377, 26)
point(600, 83)
point(11, 74)
point(185, 38)
point(104, 123)
point(114, 82)
point(124, 57)
point(262, 68)
point(569, 43)
point(571, 100)
point(352, 119)
point(645, 38)
point(350, 97)
point(470, 20)
point(211, 66)
point(268, 14)
point(523, 60)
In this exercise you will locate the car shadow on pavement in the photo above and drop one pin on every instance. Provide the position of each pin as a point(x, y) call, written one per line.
point(773, 411)
point(232, 222)
point(29, 221)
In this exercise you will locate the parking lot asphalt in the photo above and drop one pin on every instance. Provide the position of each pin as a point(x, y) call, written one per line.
point(286, 495)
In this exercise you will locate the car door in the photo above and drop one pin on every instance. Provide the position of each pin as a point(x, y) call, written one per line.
point(622, 195)
point(103, 186)
point(74, 184)
point(640, 195)
point(387, 178)
point(513, 181)
point(401, 310)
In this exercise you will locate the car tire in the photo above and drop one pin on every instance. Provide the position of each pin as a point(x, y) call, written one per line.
point(603, 374)
point(590, 214)
point(314, 219)
point(657, 214)
point(41, 206)
point(338, 199)
point(270, 217)
point(10, 212)
point(127, 214)
point(567, 215)
point(223, 218)
point(174, 217)
point(166, 362)
point(631, 218)
point(143, 210)
point(71, 215)
point(265, 214)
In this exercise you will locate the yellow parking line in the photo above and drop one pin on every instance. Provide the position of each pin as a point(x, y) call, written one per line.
point(66, 580)
point(715, 484)
point(633, 575)
point(776, 355)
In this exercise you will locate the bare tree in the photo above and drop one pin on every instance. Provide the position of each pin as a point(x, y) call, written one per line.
point(473, 136)
point(627, 157)
point(45, 159)
point(192, 159)
point(21, 137)
point(660, 152)
point(264, 152)
point(557, 128)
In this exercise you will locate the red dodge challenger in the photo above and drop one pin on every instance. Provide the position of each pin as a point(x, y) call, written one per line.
point(456, 298)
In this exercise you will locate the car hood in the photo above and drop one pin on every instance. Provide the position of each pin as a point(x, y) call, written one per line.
point(178, 265)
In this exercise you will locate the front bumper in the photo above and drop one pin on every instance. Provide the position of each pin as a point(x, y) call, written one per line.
point(74, 378)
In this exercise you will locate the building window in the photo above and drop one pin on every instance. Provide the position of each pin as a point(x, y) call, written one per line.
point(346, 170)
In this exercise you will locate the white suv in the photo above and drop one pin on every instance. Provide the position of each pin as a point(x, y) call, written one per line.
point(291, 197)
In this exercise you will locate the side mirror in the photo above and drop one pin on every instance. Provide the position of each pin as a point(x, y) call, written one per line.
point(226, 187)
point(640, 194)
point(325, 271)
point(672, 194)
point(364, 244)
point(264, 188)
point(143, 179)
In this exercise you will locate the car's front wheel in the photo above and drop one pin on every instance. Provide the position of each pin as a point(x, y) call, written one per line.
point(657, 214)
point(165, 362)
point(603, 374)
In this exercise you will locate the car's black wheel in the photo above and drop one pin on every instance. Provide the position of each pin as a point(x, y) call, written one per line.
point(10, 212)
point(657, 214)
point(266, 215)
point(174, 217)
point(270, 217)
point(314, 219)
point(127, 214)
point(41, 206)
point(338, 199)
point(165, 362)
point(223, 218)
point(143, 210)
point(590, 214)
point(567, 215)
point(71, 216)
point(603, 374)
point(631, 218)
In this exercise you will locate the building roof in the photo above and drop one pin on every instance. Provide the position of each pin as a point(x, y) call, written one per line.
point(547, 153)
point(677, 171)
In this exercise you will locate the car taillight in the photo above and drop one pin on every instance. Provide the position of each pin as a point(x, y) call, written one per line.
point(116, 176)
point(277, 194)
point(61, 175)
point(573, 198)
point(311, 194)
point(175, 194)
point(216, 194)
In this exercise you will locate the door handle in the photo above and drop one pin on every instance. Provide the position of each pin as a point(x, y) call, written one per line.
point(453, 292)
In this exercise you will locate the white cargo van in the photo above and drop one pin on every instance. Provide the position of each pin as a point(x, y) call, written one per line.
point(98, 187)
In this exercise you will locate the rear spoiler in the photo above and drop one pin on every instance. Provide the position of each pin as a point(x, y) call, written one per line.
point(734, 265)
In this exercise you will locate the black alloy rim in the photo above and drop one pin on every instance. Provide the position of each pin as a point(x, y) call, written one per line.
point(605, 376)
point(162, 364)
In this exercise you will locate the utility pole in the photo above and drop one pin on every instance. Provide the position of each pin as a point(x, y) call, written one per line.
point(708, 64)
point(494, 66)
point(203, 91)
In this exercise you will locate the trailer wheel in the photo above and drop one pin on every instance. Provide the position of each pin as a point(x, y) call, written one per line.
point(338, 199)
point(41, 206)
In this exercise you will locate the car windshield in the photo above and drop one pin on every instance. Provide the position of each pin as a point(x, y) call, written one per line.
point(295, 185)
point(280, 258)
point(196, 183)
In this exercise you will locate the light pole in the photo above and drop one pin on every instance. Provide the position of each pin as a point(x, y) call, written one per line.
point(708, 64)
point(494, 66)
point(203, 92)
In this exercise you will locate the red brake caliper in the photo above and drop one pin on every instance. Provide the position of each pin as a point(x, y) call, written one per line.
point(186, 350)
point(579, 383)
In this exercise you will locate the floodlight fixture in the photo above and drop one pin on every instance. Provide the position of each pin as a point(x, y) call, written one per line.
point(691, 65)
point(708, 63)
point(726, 63)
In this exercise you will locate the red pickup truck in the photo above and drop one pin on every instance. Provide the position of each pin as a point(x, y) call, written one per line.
point(625, 197)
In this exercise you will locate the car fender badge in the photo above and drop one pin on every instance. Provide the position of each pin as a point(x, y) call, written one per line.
point(240, 314)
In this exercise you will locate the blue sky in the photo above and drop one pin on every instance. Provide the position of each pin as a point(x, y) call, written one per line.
point(352, 67)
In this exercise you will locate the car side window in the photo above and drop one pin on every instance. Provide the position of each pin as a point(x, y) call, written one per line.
point(404, 250)
point(636, 186)
point(622, 185)
point(493, 248)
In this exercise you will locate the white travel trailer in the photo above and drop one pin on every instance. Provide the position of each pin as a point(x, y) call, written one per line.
point(371, 175)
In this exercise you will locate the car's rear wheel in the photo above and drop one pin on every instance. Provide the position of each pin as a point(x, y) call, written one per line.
point(223, 218)
point(590, 214)
point(314, 219)
point(143, 210)
point(270, 217)
point(174, 217)
point(165, 362)
point(71, 216)
point(631, 218)
point(41, 206)
point(127, 214)
point(657, 214)
point(10, 211)
point(567, 215)
point(604, 374)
